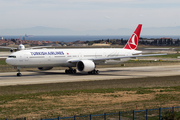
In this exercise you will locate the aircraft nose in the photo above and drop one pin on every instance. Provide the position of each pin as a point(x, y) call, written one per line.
point(9, 61)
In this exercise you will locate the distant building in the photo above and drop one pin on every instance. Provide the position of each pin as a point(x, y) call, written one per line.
point(101, 44)
point(1, 38)
point(80, 45)
point(64, 45)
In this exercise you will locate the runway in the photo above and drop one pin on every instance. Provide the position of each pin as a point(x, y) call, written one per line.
point(4, 54)
point(58, 76)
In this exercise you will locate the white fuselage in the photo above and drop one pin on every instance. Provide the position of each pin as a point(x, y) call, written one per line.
point(60, 57)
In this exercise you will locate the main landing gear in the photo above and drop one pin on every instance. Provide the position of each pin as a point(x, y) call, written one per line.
point(18, 69)
point(70, 71)
point(94, 72)
point(73, 71)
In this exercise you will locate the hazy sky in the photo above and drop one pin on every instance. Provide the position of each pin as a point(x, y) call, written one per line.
point(89, 14)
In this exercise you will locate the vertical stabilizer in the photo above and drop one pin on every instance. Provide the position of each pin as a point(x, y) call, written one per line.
point(133, 41)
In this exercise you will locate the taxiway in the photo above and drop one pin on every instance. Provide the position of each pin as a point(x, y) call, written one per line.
point(4, 54)
point(58, 76)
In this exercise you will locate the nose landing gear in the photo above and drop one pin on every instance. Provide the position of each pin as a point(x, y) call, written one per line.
point(18, 69)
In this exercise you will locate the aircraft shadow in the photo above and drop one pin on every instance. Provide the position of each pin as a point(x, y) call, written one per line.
point(103, 73)
point(40, 73)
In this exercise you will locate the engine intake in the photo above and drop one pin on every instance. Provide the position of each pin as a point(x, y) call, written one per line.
point(85, 65)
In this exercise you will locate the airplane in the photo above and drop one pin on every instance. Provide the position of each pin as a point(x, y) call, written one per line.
point(22, 47)
point(85, 60)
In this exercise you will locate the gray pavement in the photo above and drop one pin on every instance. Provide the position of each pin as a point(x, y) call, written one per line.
point(57, 76)
point(4, 54)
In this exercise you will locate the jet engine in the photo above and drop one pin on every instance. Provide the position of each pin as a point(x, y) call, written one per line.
point(45, 68)
point(11, 50)
point(85, 65)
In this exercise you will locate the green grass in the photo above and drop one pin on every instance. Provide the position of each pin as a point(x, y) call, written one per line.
point(26, 89)
point(167, 97)
point(144, 91)
point(168, 56)
point(32, 99)
point(4, 50)
point(171, 116)
point(34, 96)
point(23, 108)
point(2, 62)
point(167, 90)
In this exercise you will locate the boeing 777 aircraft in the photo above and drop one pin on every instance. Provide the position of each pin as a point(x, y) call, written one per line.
point(85, 60)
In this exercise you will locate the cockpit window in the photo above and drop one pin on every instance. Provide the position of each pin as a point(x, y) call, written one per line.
point(11, 56)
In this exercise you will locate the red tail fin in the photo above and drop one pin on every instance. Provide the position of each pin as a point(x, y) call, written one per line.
point(133, 41)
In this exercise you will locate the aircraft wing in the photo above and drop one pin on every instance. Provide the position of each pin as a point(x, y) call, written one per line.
point(133, 56)
point(111, 58)
point(7, 47)
point(38, 47)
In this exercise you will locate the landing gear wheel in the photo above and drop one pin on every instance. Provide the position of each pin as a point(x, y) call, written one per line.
point(94, 72)
point(18, 69)
point(18, 74)
point(97, 72)
point(70, 71)
point(74, 71)
point(66, 71)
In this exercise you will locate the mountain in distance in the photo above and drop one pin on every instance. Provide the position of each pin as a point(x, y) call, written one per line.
point(39, 30)
point(145, 31)
point(162, 31)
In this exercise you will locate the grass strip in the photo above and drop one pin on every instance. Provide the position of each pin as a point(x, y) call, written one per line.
point(48, 104)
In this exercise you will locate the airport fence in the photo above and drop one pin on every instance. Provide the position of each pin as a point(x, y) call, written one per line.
point(169, 113)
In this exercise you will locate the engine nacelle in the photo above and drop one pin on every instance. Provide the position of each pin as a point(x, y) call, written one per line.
point(85, 65)
point(45, 68)
point(11, 50)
